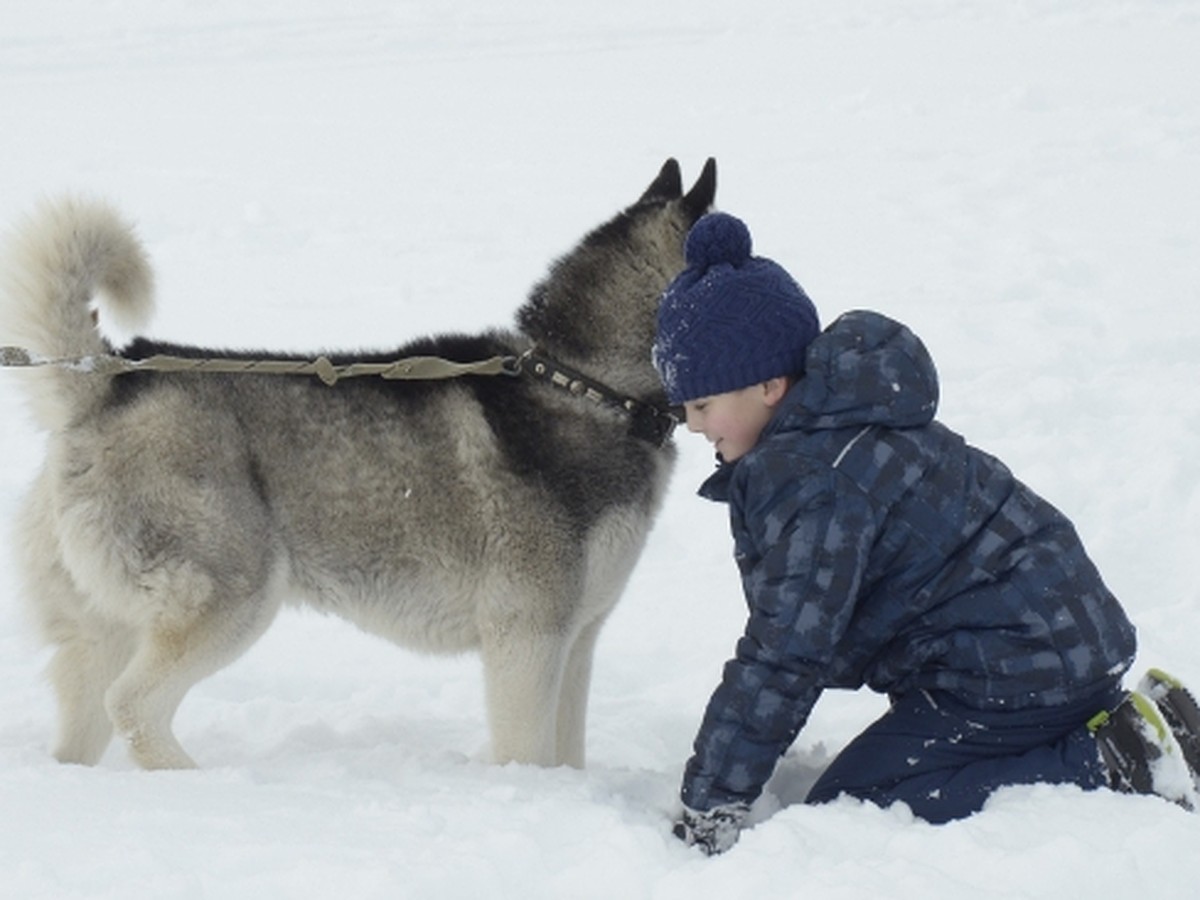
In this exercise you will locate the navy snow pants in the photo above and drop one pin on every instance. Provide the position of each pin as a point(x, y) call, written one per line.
point(944, 758)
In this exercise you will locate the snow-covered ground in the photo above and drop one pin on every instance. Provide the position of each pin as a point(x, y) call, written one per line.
point(1018, 181)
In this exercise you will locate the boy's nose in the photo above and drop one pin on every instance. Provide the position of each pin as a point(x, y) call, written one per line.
point(692, 421)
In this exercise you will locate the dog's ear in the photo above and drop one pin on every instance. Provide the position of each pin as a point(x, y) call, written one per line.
point(703, 192)
point(667, 185)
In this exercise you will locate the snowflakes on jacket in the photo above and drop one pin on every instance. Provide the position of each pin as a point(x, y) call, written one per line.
point(878, 548)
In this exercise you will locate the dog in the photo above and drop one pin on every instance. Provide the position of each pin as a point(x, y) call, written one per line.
point(177, 511)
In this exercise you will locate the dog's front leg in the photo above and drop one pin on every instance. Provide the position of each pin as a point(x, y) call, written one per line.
point(523, 673)
point(573, 697)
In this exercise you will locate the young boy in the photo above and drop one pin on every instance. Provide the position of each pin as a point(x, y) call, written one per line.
point(876, 547)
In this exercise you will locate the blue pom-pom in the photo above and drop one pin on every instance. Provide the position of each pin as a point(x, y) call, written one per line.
point(718, 238)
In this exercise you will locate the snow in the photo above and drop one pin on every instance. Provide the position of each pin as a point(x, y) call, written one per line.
point(1019, 182)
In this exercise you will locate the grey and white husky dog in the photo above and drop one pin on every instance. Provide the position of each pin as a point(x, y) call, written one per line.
point(176, 512)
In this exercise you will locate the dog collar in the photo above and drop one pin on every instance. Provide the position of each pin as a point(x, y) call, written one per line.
point(647, 422)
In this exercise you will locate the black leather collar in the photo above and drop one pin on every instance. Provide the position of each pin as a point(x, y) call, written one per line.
point(647, 422)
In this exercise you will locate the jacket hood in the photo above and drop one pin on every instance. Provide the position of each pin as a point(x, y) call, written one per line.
point(864, 369)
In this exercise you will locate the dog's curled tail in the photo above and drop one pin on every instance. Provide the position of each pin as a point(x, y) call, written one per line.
point(71, 260)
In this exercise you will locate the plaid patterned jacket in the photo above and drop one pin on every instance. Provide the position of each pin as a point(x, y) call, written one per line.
point(878, 548)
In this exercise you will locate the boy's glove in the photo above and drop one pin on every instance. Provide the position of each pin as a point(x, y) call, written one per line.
point(714, 831)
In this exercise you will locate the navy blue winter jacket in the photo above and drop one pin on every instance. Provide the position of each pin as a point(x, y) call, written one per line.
point(876, 547)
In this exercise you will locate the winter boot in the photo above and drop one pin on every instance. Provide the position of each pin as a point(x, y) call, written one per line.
point(1180, 712)
point(1139, 751)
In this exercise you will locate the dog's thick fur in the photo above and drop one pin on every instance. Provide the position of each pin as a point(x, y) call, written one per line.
point(176, 512)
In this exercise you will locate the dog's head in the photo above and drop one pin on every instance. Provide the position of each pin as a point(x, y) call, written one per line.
point(597, 308)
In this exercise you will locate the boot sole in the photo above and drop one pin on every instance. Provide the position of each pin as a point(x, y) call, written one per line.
point(1181, 714)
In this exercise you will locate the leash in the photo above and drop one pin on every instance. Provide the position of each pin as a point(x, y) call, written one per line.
point(413, 368)
point(647, 422)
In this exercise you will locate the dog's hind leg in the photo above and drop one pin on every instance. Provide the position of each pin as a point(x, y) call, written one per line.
point(172, 655)
point(142, 702)
point(83, 667)
point(90, 653)
point(90, 649)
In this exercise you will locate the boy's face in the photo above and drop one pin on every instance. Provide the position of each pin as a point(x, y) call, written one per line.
point(733, 421)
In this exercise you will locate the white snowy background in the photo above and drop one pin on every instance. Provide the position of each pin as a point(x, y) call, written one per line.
point(1019, 181)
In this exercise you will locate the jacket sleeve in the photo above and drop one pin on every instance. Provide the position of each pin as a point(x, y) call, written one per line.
point(803, 535)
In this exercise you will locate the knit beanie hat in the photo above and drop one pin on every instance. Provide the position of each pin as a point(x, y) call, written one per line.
point(729, 320)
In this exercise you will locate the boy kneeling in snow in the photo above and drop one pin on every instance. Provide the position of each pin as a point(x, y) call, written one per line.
point(877, 547)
